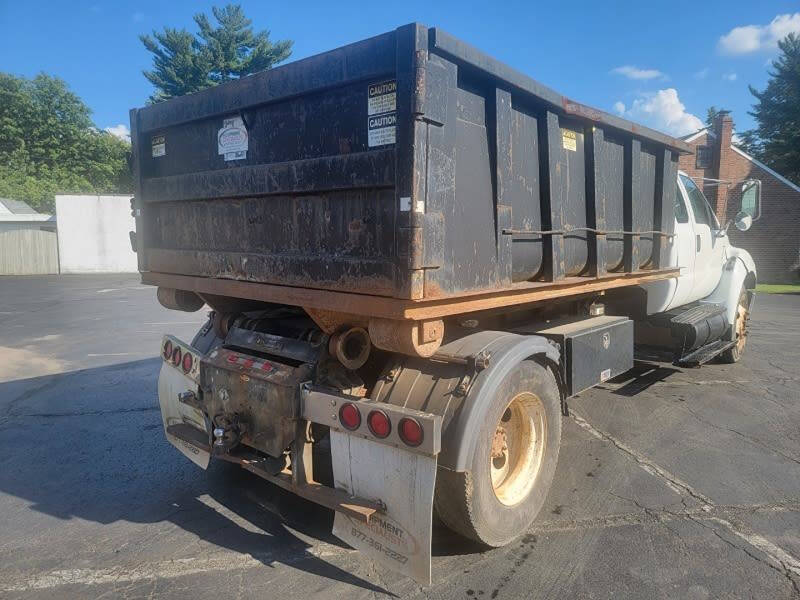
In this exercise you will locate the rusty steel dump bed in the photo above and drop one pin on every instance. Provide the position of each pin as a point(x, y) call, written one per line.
point(406, 172)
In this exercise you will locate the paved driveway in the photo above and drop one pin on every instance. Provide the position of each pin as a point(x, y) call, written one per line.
point(671, 484)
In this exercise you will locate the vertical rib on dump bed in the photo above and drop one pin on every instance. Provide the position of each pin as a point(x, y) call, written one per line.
point(408, 165)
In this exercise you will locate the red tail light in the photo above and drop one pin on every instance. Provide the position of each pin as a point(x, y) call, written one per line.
point(410, 431)
point(187, 362)
point(167, 350)
point(379, 423)
point(176, 356)
point(349, 416)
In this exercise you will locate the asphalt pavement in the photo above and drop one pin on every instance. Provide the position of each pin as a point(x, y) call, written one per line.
point(671, 483)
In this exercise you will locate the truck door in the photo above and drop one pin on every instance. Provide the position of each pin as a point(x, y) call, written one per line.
point(685, 242)
point(709, 242)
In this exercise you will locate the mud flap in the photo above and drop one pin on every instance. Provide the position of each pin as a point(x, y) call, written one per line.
point(172, 382)
point(400, 537)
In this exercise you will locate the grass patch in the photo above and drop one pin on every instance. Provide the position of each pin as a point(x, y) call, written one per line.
point(778, 288)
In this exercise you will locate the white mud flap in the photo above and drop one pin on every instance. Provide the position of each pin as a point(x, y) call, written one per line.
point(172, 382)
point(400, 538)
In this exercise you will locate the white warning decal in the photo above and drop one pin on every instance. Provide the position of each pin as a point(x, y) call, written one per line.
point(381, 130)
point(381, 112)
point(159, 145)
point(232, 139)
point(382, 98)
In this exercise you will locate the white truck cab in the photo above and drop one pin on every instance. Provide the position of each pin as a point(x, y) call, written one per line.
point(712, 270)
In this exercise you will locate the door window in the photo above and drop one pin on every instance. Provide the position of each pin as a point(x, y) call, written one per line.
point(700, 208)
point(681, 214)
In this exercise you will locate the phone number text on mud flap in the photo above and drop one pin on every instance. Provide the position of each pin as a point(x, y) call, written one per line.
point(379, 547)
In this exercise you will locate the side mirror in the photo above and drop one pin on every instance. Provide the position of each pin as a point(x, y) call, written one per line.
point(751, 200)
point(743, 221)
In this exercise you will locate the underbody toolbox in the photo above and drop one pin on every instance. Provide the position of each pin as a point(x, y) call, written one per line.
point(594, 349)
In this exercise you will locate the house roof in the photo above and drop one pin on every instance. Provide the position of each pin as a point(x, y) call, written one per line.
point(707, 130)
point(15, 207)
point(17, 211)
point(764, 167)
point(699, 133)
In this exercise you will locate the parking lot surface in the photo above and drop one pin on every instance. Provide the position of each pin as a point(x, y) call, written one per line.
point(671, 483)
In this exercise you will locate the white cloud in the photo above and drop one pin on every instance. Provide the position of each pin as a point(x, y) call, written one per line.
point(632, 72)
point(730, 76)
point(701, 74)
point(120, 131)
point(664, 111)
point(619, 107)
point(752, 38)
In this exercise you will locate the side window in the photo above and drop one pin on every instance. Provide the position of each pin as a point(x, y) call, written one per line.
point(680, 206)
point(698, 201)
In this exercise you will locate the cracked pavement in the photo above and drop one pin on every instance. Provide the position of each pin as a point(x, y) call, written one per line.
point(671, 483)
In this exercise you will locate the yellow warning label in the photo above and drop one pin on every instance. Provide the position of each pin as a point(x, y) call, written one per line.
point(569, 140)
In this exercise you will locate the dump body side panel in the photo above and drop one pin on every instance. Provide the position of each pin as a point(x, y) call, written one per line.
point(409, 165)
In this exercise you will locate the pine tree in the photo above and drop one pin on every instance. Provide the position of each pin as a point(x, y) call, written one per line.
point(180, 65)
point(776, 139)
point(232, 47)
point(184, 63)
point(711, 114)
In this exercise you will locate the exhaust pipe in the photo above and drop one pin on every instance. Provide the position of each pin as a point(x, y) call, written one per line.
point(351, 347)
point(179, 299)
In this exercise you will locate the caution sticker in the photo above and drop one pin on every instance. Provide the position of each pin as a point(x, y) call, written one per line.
point(159, 145)
point(569, 140)
point(382, 98)
point(381, 113)
point(381, 130)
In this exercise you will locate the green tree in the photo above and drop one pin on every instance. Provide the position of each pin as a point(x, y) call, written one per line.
point(184, 63)
point(776, 139)
point(49, 145)
point(180, 66)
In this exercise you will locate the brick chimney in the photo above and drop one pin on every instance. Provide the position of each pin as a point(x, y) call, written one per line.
point(723, 161)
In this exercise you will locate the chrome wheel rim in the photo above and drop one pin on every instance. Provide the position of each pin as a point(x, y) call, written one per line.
point(518, 448)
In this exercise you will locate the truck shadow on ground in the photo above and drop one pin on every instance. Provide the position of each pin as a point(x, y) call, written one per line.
point(88, 444)
point(643, 376)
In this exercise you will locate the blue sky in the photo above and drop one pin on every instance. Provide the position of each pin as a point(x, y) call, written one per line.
point(659, 63)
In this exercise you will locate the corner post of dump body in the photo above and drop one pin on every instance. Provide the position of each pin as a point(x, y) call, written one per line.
point(595, 200)
point(437, 96)
point(504, 121)
point(138, 201)
point(554, 188)
point(666, 174)
point(631, 193)
point(410, 159)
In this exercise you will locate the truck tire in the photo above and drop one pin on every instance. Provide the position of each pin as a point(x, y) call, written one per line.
point(514, 461)
point(735, 352)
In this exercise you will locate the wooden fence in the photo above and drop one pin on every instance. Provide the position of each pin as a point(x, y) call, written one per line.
point(27, 251)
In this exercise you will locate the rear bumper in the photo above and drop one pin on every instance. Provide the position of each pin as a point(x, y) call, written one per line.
point(383, 487)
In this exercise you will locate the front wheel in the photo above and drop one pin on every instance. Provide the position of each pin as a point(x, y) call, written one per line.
point(513, 464)
point(735, 352)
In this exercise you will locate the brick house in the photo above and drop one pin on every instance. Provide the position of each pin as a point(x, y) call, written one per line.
point(774, 240)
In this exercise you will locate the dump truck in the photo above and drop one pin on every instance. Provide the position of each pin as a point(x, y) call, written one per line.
point(414, 256)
